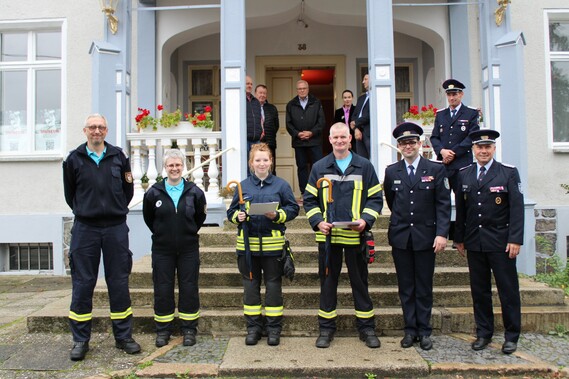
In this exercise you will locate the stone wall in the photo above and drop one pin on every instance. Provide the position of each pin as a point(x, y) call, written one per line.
point(545, 238)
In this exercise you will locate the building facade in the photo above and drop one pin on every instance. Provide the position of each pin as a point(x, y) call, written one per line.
point(61, 61)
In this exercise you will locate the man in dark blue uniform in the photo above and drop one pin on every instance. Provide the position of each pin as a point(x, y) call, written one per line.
point(418, 194)
point(98, 187)
point(450, 133)
point(357, 199)
point(490, 225)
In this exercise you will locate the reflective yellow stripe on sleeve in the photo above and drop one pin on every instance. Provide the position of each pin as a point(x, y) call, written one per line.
point(311, 189)
point(375, 189)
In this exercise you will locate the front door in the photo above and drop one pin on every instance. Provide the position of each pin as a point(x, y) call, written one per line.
point(282, 88)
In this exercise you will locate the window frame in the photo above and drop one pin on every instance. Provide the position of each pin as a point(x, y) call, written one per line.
point(553, 15)
point(31, 66)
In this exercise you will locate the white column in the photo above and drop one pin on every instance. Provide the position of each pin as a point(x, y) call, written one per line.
point(198, 174)
point(136, 167)
point(151, 172)
point(212, 171)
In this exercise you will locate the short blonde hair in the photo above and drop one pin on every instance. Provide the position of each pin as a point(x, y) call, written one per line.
point(173, 154)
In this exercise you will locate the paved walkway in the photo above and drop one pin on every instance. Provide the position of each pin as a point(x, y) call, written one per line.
point(24, 355)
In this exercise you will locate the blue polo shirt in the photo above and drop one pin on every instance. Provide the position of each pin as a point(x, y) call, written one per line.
point(344, 163)
point(96, 158)
point(175, 192)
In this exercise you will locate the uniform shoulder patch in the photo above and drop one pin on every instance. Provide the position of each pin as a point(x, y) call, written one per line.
point(508, 165)
point(440, 110)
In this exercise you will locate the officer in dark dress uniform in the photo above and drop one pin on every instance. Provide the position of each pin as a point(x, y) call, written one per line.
point(418, 194)
point(490, 226)
point(450, 134)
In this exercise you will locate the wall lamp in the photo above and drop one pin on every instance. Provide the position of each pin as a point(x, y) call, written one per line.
point(108, 7)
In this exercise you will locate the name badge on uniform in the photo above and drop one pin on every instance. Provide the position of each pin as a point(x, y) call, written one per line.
point(427, 179)
point(397, 182)
point(496, 189)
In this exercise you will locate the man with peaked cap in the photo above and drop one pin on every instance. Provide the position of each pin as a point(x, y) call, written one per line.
point(490, 226)
point(418, 194)
point(450, 133)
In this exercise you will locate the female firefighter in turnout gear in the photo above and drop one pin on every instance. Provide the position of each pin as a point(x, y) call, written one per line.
point(266, 243)
point(174, 210)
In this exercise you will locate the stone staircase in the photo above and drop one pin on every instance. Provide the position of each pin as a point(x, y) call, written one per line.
point(221, 292)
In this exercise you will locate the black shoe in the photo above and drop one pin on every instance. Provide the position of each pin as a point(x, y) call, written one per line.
point(162, 339)
point(273, 338)
point(324, 339)
point(189, 337)
point(509, 347)
point(481, 343)
point(252, 337)
point(407, 341)
point(79, 350)
point(425, 342)
point(369, 337)
point(128, 345)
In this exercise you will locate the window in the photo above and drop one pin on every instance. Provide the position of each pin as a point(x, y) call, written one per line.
point(30, 257)
point(204, 90)
point(30, 91)
point(559, 76)
point(403, 89)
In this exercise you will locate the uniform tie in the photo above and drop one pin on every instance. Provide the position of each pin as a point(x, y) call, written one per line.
point(411, 172)
point(452, 113)
point(482, 173)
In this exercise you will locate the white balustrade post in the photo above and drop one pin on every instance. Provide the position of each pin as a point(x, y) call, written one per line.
point(198, 174)
point(151, 172)
point(166, 145)
point(136, 167)
point(182, 145)
point(213, 170)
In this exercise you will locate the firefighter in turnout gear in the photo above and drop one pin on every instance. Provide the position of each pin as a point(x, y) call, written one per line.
point(98, 186)
point(357, 198)
point(260, 244)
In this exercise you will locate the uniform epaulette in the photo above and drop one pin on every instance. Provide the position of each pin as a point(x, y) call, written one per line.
point(389, 165)
point(508, 165)
point(462, 168)
point(468, 106)
point(439, 110)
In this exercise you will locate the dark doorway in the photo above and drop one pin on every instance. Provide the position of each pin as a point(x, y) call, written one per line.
point(321, 82)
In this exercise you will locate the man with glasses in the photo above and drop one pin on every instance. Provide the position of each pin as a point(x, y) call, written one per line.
point(98, 186)
point(304, 122)
point(418, 194)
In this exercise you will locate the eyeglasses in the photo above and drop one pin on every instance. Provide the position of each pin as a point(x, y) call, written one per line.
point(302, 88)
point(92, 128)
point(407, 143)
point(174, 165)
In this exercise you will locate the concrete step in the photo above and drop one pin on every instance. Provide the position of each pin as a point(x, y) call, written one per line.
point(217, 236)
point(303, 322)
point(306, 276)
point(295, 297)
point(307, 256)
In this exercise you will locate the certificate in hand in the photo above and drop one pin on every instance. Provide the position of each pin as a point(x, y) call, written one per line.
point(344, 224)
point(262, 208)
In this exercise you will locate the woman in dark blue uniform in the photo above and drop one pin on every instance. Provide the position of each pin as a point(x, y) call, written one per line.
point(174, 211)
point(266, 242)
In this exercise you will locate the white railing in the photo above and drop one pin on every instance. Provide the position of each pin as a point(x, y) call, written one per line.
point(148, 147)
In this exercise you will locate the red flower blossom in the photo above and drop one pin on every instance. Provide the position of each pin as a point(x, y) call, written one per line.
point(207, 108)
point(160, 107)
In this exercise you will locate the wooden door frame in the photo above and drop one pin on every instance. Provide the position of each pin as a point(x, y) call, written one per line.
point(284, 62)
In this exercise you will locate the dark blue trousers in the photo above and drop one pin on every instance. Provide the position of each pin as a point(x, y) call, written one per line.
point(87, 242)
point(481, 265)
point(305, 158)
point(415, 271)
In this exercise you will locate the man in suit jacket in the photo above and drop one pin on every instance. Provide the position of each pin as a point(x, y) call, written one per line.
point(269, 121)
point(360, 123)
point(490, 226)
point(418, 194)
point(450, 133)
point(346, 114)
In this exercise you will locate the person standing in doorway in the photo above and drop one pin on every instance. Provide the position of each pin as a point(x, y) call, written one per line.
point(346, 114)
point(304, 122)
point(253, 109)
point(269, 122)
point(361, 122)
point(98, 186)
